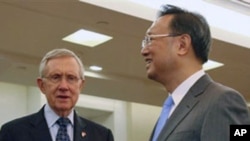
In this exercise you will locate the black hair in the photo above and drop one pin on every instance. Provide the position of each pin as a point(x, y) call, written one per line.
point(194, 24)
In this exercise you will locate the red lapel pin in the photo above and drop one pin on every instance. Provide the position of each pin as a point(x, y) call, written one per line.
point(83, 134)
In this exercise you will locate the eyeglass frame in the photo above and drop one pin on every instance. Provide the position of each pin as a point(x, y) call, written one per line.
point(56, 78)
point(148, 38)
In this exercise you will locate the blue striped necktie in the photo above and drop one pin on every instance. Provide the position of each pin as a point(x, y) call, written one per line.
point(62, 134)
point(163, 117)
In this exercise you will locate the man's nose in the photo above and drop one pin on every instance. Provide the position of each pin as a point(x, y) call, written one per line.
point(144, 51)
point(63, 83)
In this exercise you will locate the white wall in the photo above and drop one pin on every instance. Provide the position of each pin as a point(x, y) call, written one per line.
point(142, 121)
point(13, 101)
point(35, 100)
point(115, 117)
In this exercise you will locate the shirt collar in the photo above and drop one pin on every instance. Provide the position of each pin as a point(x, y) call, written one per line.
point(183, 88)
point(51, 117)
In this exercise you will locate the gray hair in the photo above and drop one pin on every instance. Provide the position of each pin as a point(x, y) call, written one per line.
point(60, 53)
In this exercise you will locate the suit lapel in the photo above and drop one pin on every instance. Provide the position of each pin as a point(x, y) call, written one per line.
point(185, 106)
point(40, 131)
point(180, 112)
point(80, 133)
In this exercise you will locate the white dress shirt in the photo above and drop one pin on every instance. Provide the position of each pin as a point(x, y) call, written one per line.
point(51, 118)
point(183, 88)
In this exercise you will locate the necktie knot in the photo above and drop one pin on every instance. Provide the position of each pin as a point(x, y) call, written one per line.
point(169, 102)
point(63, 122)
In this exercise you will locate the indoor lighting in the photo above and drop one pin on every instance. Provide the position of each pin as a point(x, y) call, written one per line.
point(210, 64)
point(95, 68)
point(87, 38)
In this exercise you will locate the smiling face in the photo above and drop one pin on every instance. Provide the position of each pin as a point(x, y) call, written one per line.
point(160, 53)
point(62, 95)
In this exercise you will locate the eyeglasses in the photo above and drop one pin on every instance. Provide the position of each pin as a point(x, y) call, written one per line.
point(148, 38)
point(71, 79)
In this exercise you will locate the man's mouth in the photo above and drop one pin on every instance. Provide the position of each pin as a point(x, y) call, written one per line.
point(148, 61)
point(62, 96)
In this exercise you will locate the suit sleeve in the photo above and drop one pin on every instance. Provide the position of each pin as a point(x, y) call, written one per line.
point(110, 136)
point(230, 108)
point(5, 134)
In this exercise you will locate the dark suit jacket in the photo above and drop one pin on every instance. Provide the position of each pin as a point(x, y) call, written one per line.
point(205, 113)
point(34, 128)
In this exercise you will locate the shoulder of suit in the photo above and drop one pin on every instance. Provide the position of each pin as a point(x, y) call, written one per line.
point(18, 122)
point(92, 124)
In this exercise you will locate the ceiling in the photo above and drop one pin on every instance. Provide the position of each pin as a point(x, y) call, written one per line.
point(29, 29)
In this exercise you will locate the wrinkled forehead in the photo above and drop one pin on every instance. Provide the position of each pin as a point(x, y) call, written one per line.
point(62, 62)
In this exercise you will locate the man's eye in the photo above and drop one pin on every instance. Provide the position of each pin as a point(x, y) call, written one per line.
point(151, 38)
point(55, 77)
point(71, 77)
point(148, 39)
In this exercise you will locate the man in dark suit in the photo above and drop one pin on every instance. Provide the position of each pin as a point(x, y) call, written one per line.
point(61, 80)
point(175, 47)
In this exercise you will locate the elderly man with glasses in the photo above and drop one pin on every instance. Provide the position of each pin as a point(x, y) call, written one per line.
point(61, 81)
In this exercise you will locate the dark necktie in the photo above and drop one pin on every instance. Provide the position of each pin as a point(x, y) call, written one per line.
point(164, 116)
point(62, 134)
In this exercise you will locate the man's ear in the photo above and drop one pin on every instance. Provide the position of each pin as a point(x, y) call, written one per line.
point(184, 44)
point(40, 84)
point(82, 84)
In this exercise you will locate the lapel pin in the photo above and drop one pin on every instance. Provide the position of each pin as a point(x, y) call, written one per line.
point(83, 134)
